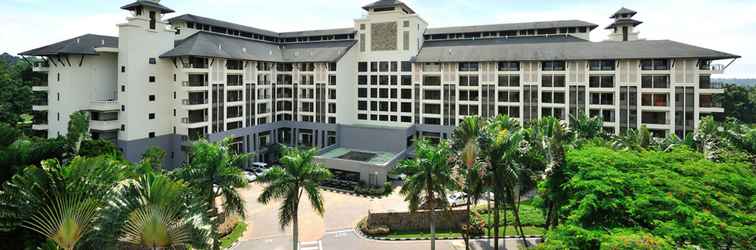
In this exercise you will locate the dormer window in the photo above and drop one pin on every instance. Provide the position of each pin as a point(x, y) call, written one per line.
point(384, 9)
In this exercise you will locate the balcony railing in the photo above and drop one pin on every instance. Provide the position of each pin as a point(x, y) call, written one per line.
point(195, 65)
point(186, 120)
point(194, 101)
point(710, 85)
point(193, 84)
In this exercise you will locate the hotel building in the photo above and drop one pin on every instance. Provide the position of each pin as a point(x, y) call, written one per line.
point(362, 94)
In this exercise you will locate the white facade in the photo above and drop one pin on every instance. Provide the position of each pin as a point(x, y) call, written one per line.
point(140, 97)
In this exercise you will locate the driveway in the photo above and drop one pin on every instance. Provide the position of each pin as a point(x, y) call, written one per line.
point(335, 230)
point(342, 211)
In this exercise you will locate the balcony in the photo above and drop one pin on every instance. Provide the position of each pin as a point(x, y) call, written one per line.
point(717, 69)
point(656, 118)
point(40, 107)
point(41, 66)
point(40, 85)
point(40, 127)
point(104, 105)
point(109, 125)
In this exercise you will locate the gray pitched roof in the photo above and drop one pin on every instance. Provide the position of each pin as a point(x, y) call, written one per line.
point(341, 31)
point(511, 26)
point(628, 21)
point(82, 45)
point(388, 3)
point(208, 44)
point(622, 11)
point(558, 48)
point(219, 23)
point(149, 4)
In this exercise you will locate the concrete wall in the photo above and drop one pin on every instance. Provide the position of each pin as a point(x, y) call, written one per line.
point(383, 139)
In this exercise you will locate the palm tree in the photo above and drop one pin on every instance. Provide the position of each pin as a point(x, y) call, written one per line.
point(585, 127)
point(633, 139)
point(502, 142)
point(59, 202)
point(298, 175)
point(550, 137)
point(429, 176)
point(470, 178)
point(215, 172)
point(155, 211)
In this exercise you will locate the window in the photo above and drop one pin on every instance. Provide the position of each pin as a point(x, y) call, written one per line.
point(58, 77)
point(601, 81)
point(123, 107)
point(406, 24)
point(555, 81)
point(373, 66)
point(384, 66)
point(362, 80)
point(362, 67)
point(332, 67)
point(509, 81)
point(602, 65)
point(152, 19)
point(468, 80)
point(655, 64)
point(151, 116)
point(152, 98)
point(152, 60)
point(655, 81)
point(151, 79)
point(406, 67)
point(394, 67)
point(123, 69)
point(509, 66)
point(123, 88)
point(432, 80)
point(151, 135)
point(553, 66)
point(123, 127)
point(139, 11)
point(406, 80)
point(468, 67)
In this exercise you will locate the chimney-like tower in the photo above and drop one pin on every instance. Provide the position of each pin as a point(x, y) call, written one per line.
point(624, 26)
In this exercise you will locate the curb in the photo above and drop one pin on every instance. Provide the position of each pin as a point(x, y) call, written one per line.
point(441, 238)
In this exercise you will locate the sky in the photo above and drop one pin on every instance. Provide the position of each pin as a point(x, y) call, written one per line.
point(724, 25)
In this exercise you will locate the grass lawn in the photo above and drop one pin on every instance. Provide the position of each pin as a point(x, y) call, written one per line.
point(234, 236)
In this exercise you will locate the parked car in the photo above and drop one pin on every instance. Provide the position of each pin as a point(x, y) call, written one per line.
point(250, 176)
point(456, 199)
point(259, 165)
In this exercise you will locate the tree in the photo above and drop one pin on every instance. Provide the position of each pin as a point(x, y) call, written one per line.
point(676, 198)
point(94, 148)
point(60, 202)
point(78, 130)
point(215, 172)
point(154, 211)
point(153, 157)
point(429, 177)
point(297, 175)
point(739, 102)
point(470, 172)
point(14, 84)
point(584, 127)
point(502, 144)
point(633, 139)
point(550, 136)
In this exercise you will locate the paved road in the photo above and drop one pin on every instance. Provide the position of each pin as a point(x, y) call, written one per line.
point(334, 230)
point(348, 240)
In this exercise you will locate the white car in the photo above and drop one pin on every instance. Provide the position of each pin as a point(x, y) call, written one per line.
point(456, 199)
point(250, 176)
point(259, 165)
